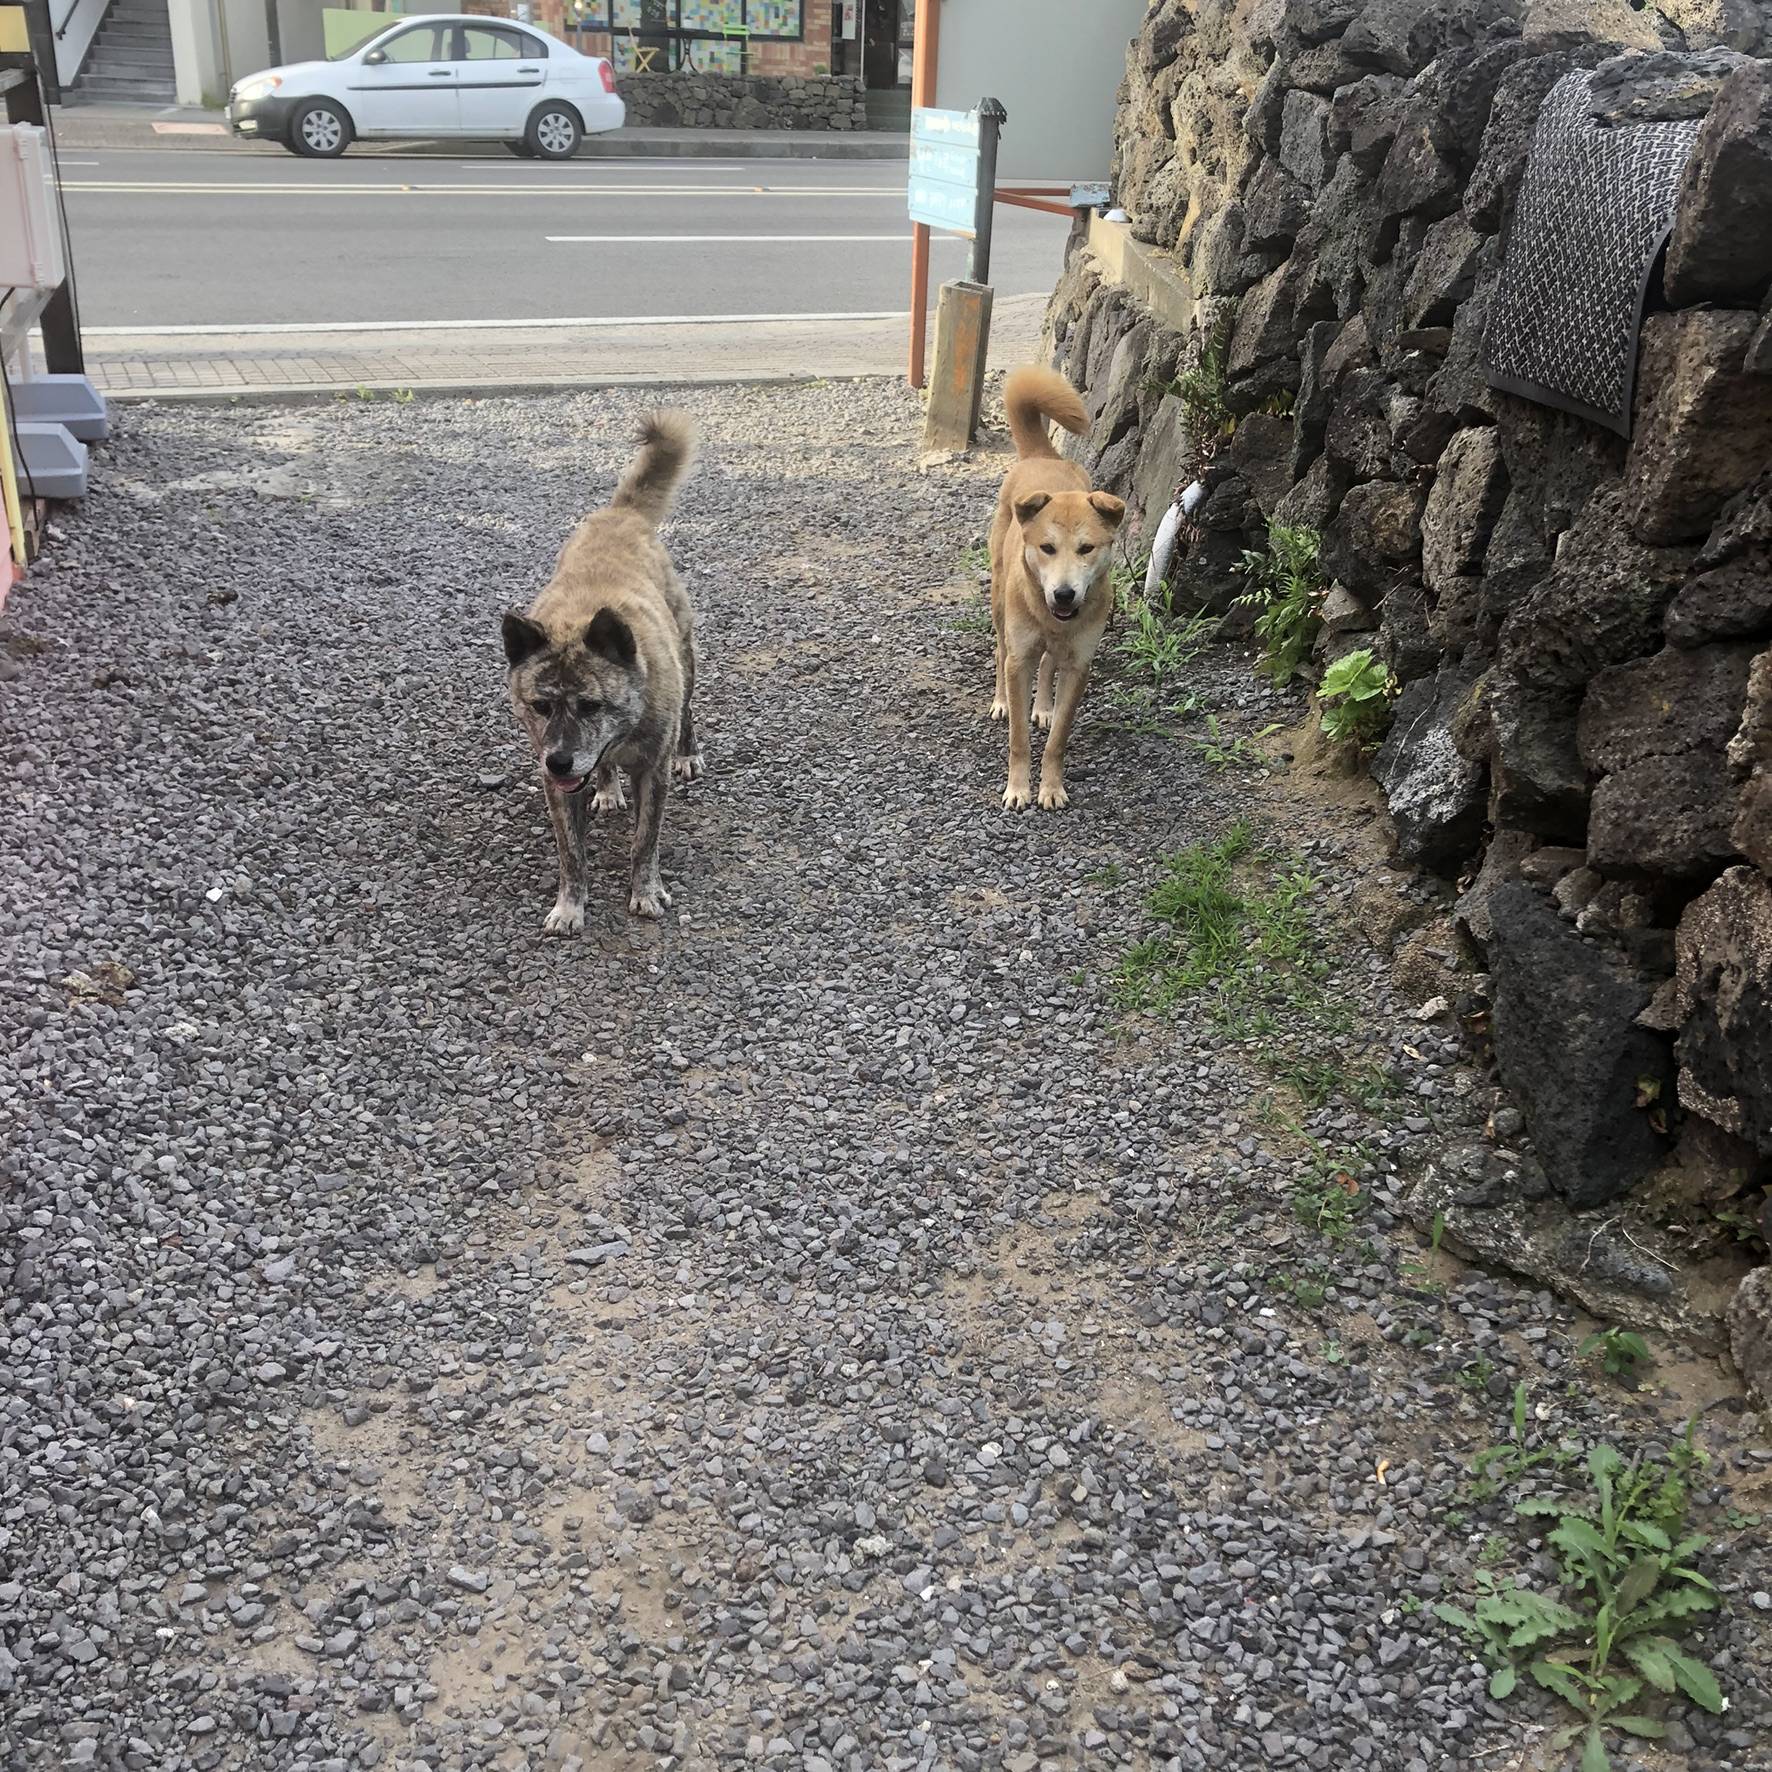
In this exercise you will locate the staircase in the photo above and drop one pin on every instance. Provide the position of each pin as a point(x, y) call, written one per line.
point(130, 62)
point(889, 108)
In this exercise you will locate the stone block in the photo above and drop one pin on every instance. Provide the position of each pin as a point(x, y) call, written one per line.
point(1730, 602)
point(1671, 816)
point(1703, 426)
point(1666, 87)
point(1541, 784)
point(1469, 490)
point(1569, 1051)
point(1304, 140)
point(1436, 794)
point(1723, 986)
point(1664, 706)
point(1749, 756)
point(1721, 250)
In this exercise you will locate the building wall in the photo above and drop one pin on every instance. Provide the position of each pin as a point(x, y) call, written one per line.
point(1055, 64)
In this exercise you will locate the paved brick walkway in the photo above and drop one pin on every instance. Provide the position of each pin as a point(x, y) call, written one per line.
point(217, 364)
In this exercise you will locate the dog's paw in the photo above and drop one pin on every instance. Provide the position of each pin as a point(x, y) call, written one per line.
point(1053, 798)
point(689, 766)
point(1043, 719)
point(610, 798)
point(566, 918)
point(999, 710)
point(650, 901)
point(1016, 797)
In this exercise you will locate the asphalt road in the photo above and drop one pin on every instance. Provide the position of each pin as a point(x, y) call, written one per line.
point(168, 239)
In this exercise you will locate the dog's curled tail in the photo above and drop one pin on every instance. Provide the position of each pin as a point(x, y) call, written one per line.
point(667, 452)
point(1033, 395)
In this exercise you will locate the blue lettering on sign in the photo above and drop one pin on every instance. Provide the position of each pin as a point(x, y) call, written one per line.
point(944, 170)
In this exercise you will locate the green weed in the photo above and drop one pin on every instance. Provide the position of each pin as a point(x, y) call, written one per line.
point(1623, 1353)
point(1223, 751)
point(1327, 1198)
point(1203, 387)
point(1356, 693)
point(1627, 1586)
point(1286, 589)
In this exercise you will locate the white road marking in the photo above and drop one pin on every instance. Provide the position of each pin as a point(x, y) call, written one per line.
point(122, 188)
point(723, 239)
point(609, 163)
point(583, 322)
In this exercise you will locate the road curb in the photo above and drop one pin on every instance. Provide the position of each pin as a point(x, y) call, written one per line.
point(73, 132)
point(351, 393)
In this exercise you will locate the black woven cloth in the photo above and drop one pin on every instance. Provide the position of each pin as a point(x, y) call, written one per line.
point(1595, 209)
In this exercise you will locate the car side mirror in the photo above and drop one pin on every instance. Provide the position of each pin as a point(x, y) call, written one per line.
point(375, 58)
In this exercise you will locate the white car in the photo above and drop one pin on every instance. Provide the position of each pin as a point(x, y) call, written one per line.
point(436, 75)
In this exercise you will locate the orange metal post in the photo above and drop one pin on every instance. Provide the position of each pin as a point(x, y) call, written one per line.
point(922, 93)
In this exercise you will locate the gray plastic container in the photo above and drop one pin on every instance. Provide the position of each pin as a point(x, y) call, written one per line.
point(52, 463)
point(70, 401)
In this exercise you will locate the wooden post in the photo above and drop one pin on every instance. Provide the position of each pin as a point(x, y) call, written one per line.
point(962, 339)
point(923, 64)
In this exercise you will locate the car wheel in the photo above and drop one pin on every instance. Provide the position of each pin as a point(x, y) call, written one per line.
point(521, 149)
point(319, 131)
point(553, 133)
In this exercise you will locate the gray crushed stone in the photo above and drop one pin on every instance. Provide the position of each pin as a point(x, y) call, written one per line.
point(818, 1332)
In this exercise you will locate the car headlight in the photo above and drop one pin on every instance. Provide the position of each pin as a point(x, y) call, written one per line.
point(259, 86)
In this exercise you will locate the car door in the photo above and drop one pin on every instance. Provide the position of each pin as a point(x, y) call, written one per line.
point(405, 84)
point(500, 71)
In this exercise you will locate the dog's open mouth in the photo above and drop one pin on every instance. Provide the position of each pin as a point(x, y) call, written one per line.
point(1067, 614)
point(567, 784)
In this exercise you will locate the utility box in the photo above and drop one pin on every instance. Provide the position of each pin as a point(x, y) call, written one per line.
point(31, 255)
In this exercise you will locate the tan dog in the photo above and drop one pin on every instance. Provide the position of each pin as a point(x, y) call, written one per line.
point(1050, 591)
point(602, 668)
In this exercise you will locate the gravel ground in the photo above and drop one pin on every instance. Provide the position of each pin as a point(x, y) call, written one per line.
point(821, 1331)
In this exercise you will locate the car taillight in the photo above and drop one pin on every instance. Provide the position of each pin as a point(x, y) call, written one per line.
point(608, 76)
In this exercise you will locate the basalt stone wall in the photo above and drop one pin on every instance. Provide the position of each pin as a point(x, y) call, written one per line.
point(1582, 627)
point(743, 101)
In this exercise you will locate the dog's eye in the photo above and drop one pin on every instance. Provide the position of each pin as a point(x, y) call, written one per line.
point(1085, 547)
point(584, 707)
point(543, 706)
point(1047, 547)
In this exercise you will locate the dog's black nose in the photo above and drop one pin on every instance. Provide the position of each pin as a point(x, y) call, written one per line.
point(559, 762)
point(1064, 596)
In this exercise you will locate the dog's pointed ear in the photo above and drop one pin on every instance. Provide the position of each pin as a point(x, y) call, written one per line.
point(1111, 510)
point(1027, 509)
point(523, 639)
point(611, 638)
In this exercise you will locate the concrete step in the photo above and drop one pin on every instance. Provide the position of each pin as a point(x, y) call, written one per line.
point(110, 90)
point(889, 109)
point(125, 67)
point(110, 33)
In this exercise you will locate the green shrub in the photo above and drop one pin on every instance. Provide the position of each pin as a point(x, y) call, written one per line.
point(1356, 693)
point(1286, 588)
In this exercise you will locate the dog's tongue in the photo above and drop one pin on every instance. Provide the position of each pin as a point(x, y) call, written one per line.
point(568, 784)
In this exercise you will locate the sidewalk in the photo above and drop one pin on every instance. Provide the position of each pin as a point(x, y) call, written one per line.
point(361, 361)
point(144, 126)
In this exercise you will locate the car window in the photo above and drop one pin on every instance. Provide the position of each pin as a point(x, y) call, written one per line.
point(484, 43)
point(533, 46)
point(417, 45)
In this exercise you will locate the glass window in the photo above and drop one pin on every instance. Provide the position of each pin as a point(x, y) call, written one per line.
point(533, 46)
point(484, 43)
point(417, 45)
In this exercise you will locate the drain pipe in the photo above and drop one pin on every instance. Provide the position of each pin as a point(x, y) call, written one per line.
point(1163, 547)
